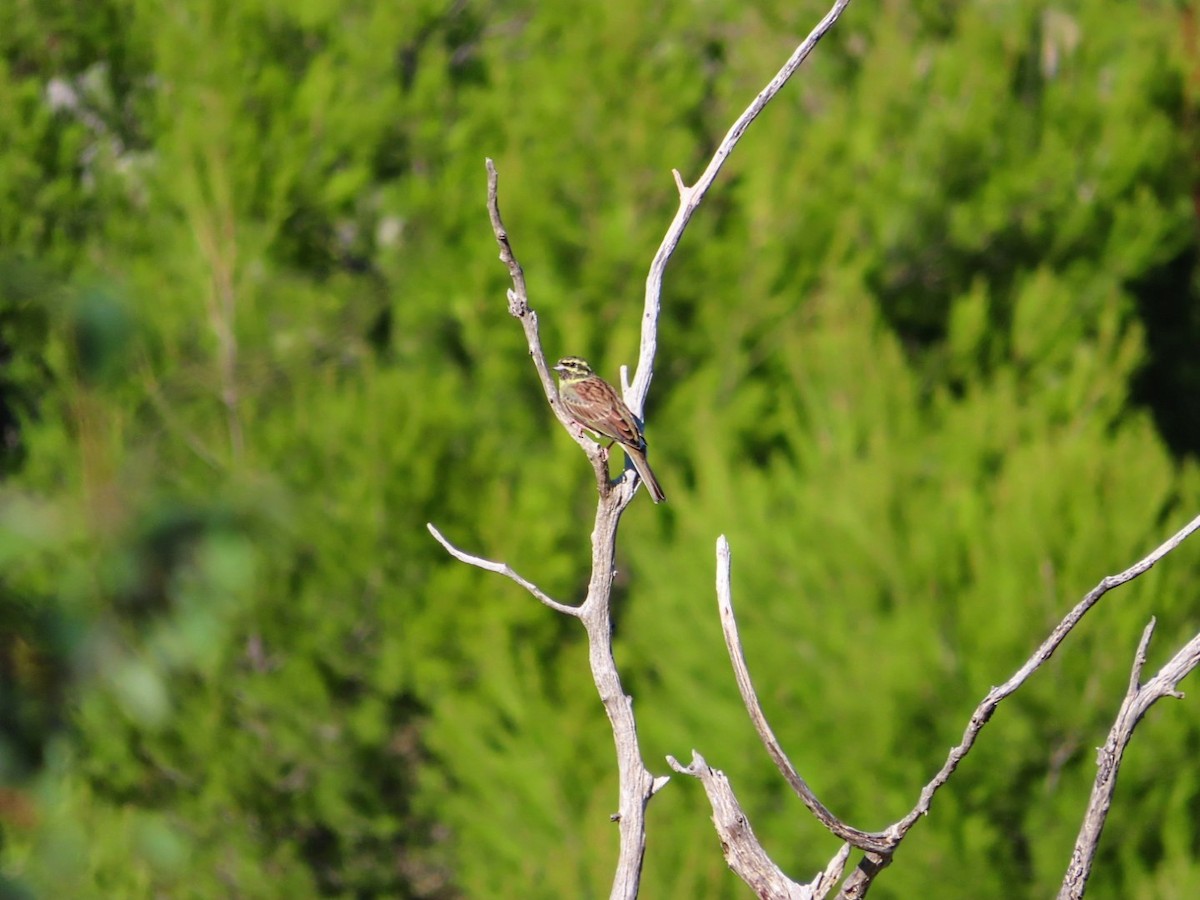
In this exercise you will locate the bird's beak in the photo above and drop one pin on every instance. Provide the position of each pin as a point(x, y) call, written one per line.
point(557, 369)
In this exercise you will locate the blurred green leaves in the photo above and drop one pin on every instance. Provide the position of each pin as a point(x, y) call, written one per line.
point(99, 330)
point(253, 337)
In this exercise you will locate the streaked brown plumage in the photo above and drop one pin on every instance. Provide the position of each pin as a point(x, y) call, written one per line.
point(595, 404)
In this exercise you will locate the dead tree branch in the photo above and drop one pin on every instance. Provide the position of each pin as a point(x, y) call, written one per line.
point(690, 198)
point(879, 847)
point(743, 852)
point(637, 786)
point(502, 569)
point(733, 643)
point(984, 711)
point(519, 308)
point(1138, 699)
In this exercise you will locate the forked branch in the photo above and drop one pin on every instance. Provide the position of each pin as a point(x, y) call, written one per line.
point(690, 198)
point(733, 643)
point(743, 852)
point(637, 786)
point(997, 694)
point(1138, 699)
point(502, 569)
point(879, 847)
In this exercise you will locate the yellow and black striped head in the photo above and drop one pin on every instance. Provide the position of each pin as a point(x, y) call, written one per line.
point(573, 368)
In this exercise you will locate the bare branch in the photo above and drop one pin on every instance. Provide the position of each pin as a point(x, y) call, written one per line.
point(1139, 660)
point(985, 709)
point(743, 852)
point(1138, 699)
point(879, 847)
point(859, 881)
point(733, 643)
point(690, 198)
point(519, 308)
point(827, 880)
point(637, 786)
point(502, 569)
point(518, 297)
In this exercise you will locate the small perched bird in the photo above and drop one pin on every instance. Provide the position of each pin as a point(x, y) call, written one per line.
point(595, 404)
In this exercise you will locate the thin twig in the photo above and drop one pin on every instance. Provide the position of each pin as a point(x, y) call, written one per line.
point(878, 842)
point(879, 847)
point(1138, 700)
point(689, 200)
point(518, 297)
point(518, 294)
point(828, 879)
point(860, 880)
point(519, 308)
point(502, 569)
point(985, 709)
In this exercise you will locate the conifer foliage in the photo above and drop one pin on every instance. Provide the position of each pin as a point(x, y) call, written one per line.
point(926, 356)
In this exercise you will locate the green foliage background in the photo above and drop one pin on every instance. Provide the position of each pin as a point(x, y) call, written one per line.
point(928, 357)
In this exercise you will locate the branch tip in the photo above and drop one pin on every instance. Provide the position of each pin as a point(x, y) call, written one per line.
point(1139, 657)
point(502, 569)
point(875, 842)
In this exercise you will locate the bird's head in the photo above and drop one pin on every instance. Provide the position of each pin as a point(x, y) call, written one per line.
point(573, 368)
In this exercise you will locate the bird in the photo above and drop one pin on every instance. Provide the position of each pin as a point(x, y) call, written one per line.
point(595, 404)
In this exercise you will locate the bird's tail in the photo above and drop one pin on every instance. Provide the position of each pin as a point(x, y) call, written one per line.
point(647, 474)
